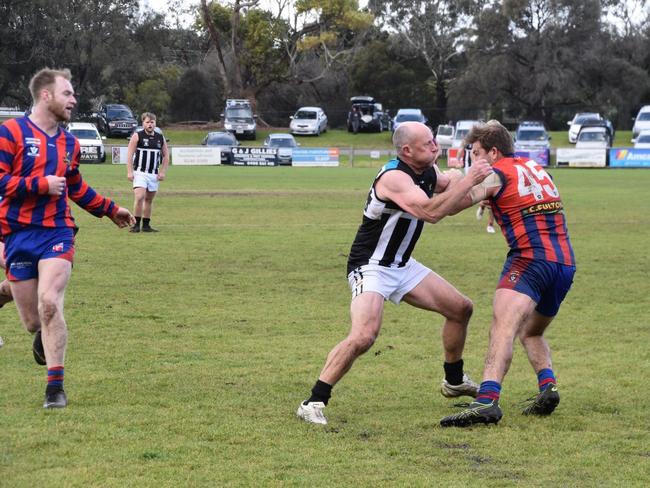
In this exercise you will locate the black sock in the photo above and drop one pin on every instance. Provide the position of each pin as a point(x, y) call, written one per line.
point(321, 392)
point(137, 221)
point(145, 222)
point(454, 372)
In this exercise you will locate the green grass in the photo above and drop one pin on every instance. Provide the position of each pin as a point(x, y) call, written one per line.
point(190, 349)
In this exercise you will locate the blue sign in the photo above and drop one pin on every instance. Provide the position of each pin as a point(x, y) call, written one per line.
point(540, 156)
point(629, 158)
point(315, 156)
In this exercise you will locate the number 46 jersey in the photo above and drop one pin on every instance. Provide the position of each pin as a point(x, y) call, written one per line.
point(530, 212)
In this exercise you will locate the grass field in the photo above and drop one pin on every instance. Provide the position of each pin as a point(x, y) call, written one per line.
point(190, 349)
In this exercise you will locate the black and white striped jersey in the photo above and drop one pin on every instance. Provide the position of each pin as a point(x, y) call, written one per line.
point(388, 234)
point(148, 153)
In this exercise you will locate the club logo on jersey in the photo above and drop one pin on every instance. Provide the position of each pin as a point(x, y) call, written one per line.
point(32, 151)
point(57, 247)
point(514, 276)
point(145, 142)
point(66, 159)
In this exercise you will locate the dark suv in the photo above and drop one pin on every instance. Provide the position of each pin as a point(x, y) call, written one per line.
point(366, 114)
point(116, 120)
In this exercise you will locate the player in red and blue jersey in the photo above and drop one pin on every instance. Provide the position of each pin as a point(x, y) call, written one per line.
point(39, 170)
point(536, 276)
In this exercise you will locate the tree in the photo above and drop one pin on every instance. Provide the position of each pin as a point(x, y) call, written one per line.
point(256, 48)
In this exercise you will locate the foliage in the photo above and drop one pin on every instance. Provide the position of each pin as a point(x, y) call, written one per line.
point(190, 349)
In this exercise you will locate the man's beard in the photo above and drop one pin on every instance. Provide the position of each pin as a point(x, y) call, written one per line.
point(59, 111)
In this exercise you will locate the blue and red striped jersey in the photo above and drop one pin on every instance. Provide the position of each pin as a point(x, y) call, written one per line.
point(530, 212)
point(27, 156)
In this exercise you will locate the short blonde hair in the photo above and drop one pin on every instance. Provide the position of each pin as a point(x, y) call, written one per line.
point(46, 78)
point(148, 115)
point(491, 134)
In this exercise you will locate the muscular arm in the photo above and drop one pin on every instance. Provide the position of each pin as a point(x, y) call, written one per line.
point(130, 151)
point(165, 162)
point(399, 188)
point(489, 187)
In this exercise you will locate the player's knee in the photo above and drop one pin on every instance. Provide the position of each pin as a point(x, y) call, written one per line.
point(362, 342)
point(463, 311)
point(32, 324)
point(48, 307)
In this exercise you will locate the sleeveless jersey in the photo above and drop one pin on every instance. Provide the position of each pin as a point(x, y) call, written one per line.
point(530, 213)
point(148, 153)
point(388, 234)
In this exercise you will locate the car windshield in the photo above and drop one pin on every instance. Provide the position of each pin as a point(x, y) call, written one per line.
point(644, 116)
point(220, 140)
point(119, 113)
point(583, 118)
point(531, 135)
point(644, 138)
point(408, 117)
point(85, 134)
point(281, 142)
point(445, 131)
point(461, 133)
point(305, 115)
point(593, 137)
point(238, 113)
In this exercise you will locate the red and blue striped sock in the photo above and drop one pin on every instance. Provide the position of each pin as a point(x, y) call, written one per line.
point(545, 377)
point(55, 378)
point(488, 392)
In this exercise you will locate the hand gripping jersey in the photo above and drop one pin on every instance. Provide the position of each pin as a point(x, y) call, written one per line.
point(148, 153)
point(27, 155)
point(388, 234)
point(530, 213)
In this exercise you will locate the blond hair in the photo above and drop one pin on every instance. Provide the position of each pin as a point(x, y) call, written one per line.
point(45, 79)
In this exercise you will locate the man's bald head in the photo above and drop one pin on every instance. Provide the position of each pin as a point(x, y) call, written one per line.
point(409, 132)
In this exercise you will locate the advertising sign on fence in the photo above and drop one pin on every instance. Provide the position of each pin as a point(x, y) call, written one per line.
point(629, 158)
point(582, 158)
point(118, 154)
point(196, 156)
point(255, 156)
point(315, 156)
point(540, 156)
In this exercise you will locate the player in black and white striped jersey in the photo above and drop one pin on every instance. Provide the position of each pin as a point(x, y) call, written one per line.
point(147, 162)
point(380, 266)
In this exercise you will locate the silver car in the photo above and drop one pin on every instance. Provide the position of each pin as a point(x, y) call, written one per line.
point(285, 144)
point(308, 121)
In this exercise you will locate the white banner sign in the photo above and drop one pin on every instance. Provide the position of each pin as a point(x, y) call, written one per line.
point(196, 156)
point(118, 154)
point(581, 158)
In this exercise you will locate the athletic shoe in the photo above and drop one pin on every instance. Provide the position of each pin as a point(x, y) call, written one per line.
point(477, 413)
point(149, 229)
point(37, 349)
point(467, 388)
point(56, 399)
point(543, 403)
point(490, 229)
point(135, 229)
point(312, 412)
point(479, 212)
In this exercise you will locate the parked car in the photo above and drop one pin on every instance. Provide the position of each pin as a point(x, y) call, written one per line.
point(239, 119)
point(462, 129)
point(445, 136)
point(115, 120)
point(285, 144)
point(642, 122)
point(601, 124)
point(531, 135)
point(308, 120)
point(366, 114)
point(577, 121)
point(91, 142)
point(593, 137)
point(225, 141)
point(642, 140)
point(408, 115)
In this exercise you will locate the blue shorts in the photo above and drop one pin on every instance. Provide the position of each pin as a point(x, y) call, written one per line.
point(547, 283)
point(25, 248)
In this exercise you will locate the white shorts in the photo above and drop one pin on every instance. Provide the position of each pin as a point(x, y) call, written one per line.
point(391, 283)
point(145, 180)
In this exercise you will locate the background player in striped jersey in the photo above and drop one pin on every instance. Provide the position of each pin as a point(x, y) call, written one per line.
point(147, 162)
point(536, 276)
point(39, 170)
point(380, 266)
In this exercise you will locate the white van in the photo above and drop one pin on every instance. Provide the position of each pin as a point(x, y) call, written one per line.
point(462, 129)
point(642, 122)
